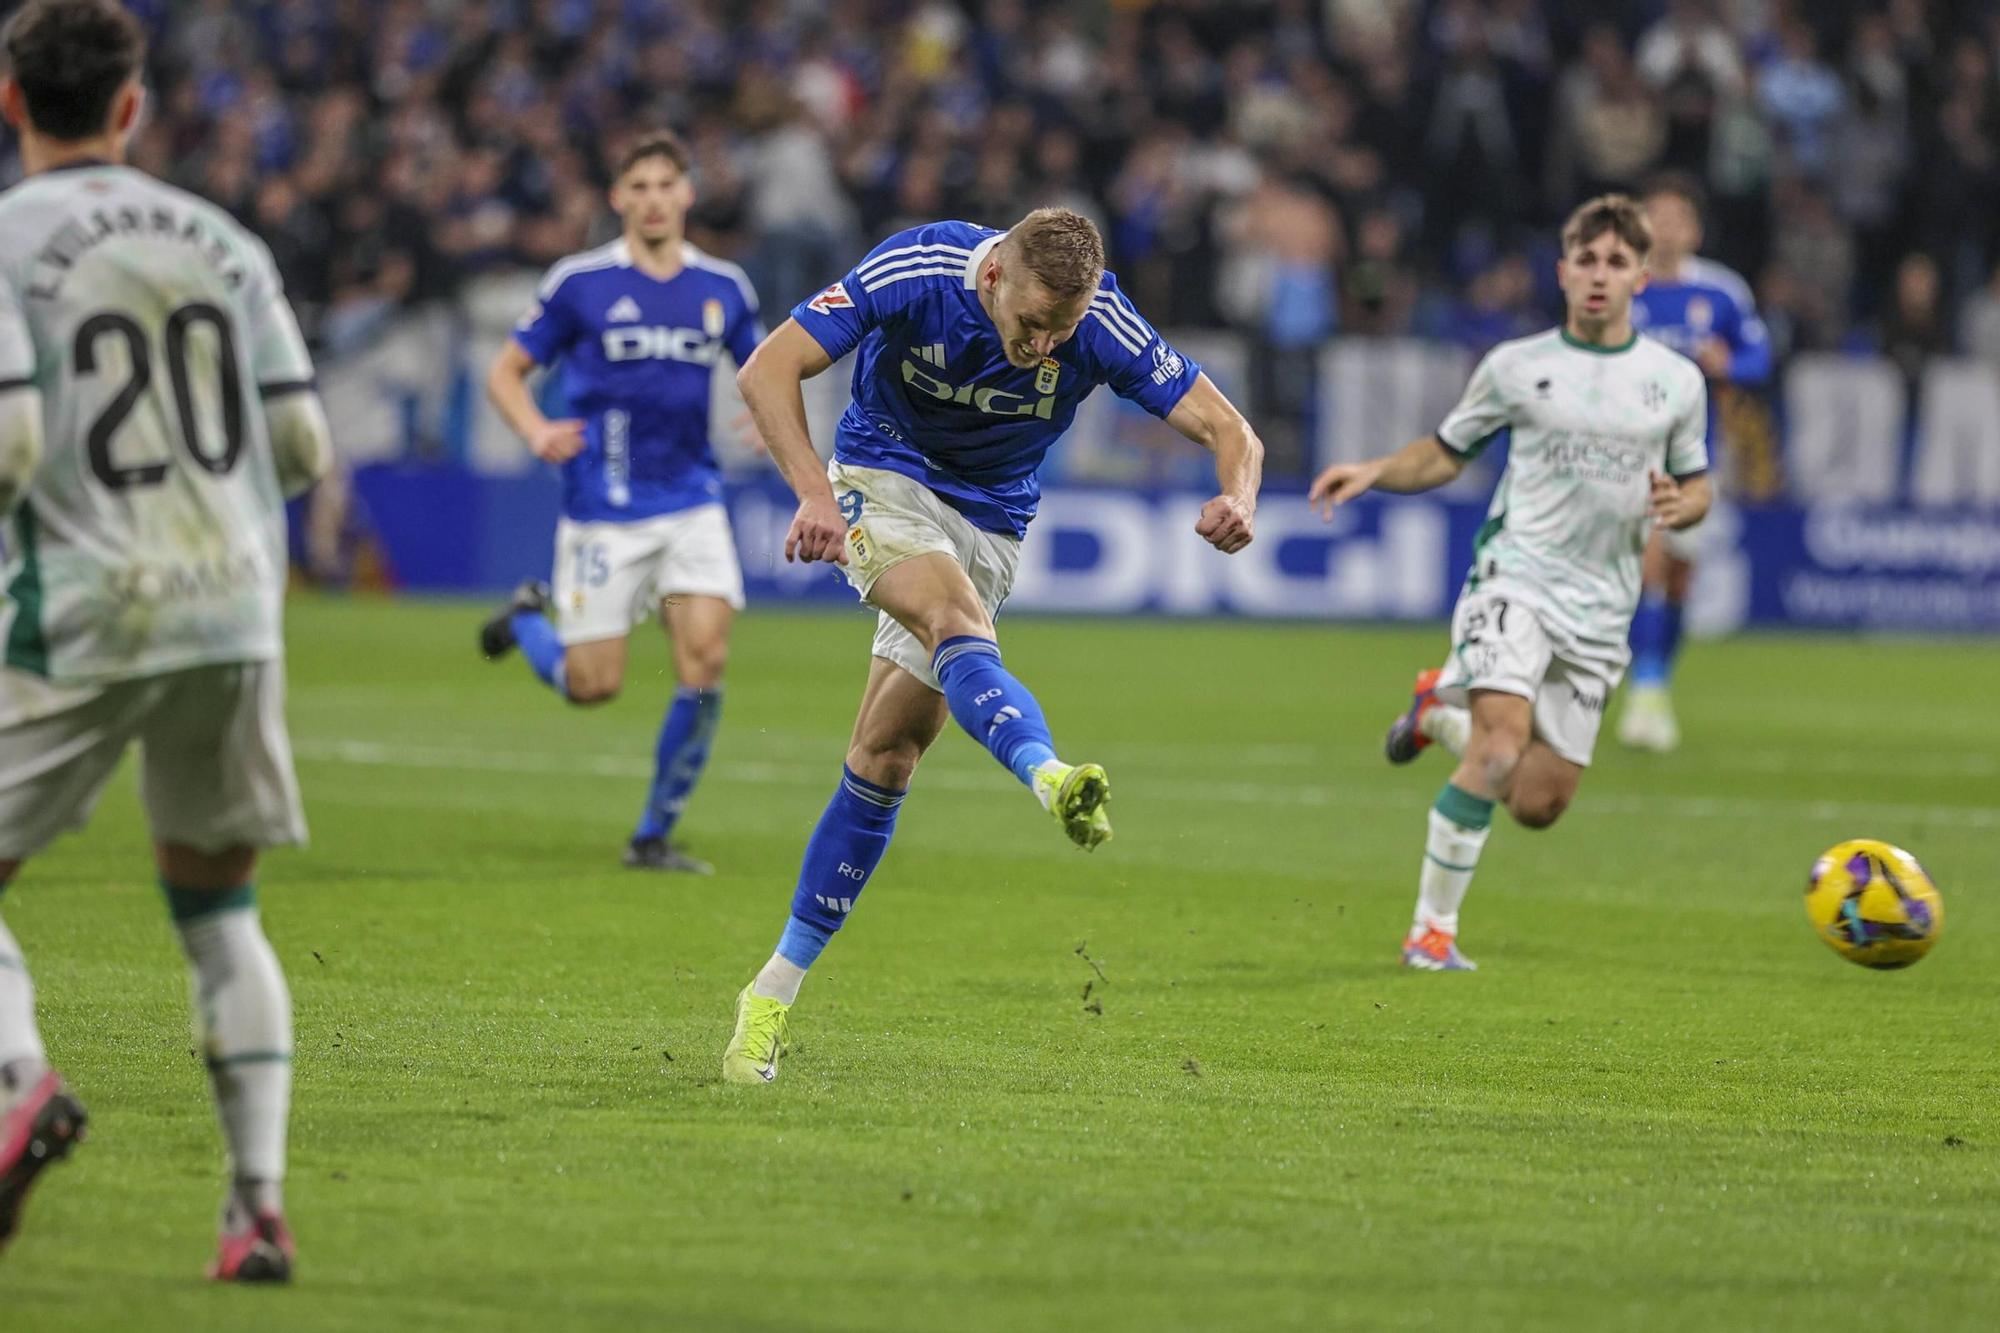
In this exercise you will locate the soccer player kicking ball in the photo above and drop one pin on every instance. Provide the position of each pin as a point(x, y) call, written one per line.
point(975, 347)
point(156, 407)
point(639, 325)
point(1608, 438)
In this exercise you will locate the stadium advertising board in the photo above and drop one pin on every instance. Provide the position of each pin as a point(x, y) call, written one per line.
point(1114, 551)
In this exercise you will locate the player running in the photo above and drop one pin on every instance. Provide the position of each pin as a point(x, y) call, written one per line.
point(638, 325)
point(975, 348)
point(1608, 437)
point(1704, 311)
point(156, 408)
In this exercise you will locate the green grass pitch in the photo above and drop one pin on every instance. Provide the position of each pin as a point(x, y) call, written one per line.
point(1661, 1105)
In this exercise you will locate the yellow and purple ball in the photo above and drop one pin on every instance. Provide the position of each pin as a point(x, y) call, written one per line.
point(1873, 904)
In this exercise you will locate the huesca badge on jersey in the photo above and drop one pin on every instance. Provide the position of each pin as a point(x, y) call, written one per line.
point(1045, 378)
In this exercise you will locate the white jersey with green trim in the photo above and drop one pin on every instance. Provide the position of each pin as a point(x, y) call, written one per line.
point(1569, 520)
point(152, 534)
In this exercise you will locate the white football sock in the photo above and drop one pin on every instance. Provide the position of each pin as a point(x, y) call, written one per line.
point(1451, 854)
point(22, 1058)
point(1046, 793)
point(243, 1024)
point(1448, 725)
point(780, 980)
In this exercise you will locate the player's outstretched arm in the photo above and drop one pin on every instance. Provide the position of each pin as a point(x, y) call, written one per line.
point(1681, 504)
point(770, 382)
point(507, 388)
point(1421, 465)
point(1228, 522)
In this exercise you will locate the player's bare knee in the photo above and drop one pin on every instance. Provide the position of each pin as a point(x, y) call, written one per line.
point(1539, 811)
point(887, 761)
point(701, 664)
point(955, 622)
point(587, 685)
point(1495, 756)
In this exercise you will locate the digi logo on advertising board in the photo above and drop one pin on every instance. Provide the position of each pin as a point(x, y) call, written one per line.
point(1114, 552)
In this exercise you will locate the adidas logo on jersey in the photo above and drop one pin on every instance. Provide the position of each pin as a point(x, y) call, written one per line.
point(624, 310)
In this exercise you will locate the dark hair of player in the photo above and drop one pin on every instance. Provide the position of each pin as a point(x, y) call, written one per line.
point(1616, 213)
point(70, 58)
point(1061, 249)
point(658, 143)
point(1681, 186)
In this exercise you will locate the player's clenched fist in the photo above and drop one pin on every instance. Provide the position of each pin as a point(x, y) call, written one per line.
point(557, 441)
point(1226, 523)
point(1672, 505)
point(817, 532)
point(1341, 483)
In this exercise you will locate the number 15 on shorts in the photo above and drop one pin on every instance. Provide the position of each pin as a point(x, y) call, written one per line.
point(593, 566)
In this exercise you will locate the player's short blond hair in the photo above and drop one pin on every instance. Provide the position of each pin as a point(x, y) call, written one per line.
point(1620, 214)
point(1061, 248)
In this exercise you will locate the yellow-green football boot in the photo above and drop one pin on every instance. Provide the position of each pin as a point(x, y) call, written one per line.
point(760, 1039)
point(1076, 796)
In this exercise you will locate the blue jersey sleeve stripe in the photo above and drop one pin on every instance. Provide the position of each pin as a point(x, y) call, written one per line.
point(565, 269)
point(952, 269)
point(709, 263)
point(908, 254)
point(1125, 339)
point(1123, 313)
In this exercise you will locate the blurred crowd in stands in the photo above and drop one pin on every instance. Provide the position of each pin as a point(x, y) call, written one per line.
point(1291, 169)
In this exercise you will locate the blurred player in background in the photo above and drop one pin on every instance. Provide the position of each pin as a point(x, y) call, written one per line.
point(156, 407)
point(1608, 436)
point(975, 347)
point(1704, 311)
point(638, 326)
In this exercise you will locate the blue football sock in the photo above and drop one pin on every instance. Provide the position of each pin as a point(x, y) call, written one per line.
point(1670, 640)
point(1648, 637)
point(842, 853)
point(685, 736)
point(537, 640)
point(995, 709)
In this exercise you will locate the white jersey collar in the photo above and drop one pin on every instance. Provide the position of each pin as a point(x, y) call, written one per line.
point(979, 253)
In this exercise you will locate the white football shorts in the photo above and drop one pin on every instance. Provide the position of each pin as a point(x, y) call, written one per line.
point(215, 766)
point(1501, 641)
point(611, 576)
point(892, 518)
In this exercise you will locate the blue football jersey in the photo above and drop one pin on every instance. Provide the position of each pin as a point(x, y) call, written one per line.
point(935, 397)
point(638, 355)
point(1707, 300)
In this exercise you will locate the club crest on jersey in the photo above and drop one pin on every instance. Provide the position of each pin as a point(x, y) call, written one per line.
point(832, 299)
point(1045, 378)
point(712, 317)
point(624, 310)
point(1654, 395)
